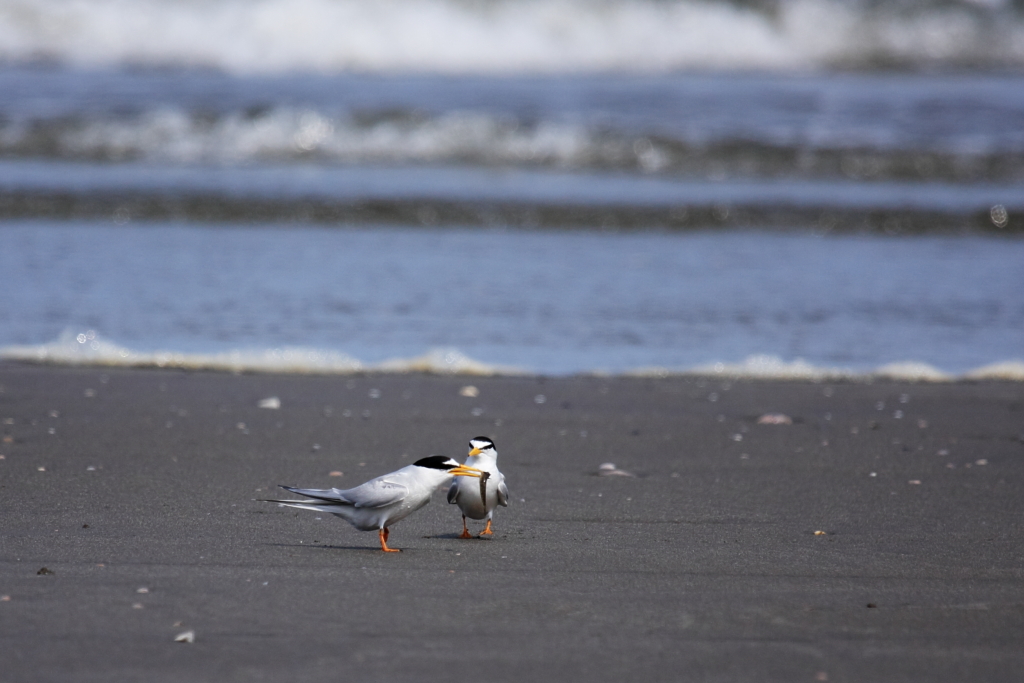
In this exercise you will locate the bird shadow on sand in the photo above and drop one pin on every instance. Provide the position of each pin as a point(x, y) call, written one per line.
point(325, 546)
point(457, 535)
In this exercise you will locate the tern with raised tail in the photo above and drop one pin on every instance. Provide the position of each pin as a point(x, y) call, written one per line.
point(382, 502)
point(478, 498)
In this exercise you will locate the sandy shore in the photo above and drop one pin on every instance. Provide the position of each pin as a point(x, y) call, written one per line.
point(135, 490)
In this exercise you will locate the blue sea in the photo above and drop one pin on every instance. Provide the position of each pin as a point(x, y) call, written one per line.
point(772, 188)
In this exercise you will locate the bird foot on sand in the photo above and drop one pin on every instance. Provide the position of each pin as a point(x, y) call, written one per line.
point(384, 542)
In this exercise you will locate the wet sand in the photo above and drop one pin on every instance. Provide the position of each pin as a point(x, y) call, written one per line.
point(135, 490)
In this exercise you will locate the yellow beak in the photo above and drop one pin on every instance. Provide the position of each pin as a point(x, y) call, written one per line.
point(475, 451)
point(466, 471)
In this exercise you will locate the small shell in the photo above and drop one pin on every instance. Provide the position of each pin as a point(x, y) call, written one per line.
point(609, 469)
point(774, 419)
point(270, 403)
point(185, 637)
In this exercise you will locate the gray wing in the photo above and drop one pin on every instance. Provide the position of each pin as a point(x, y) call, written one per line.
point(502, 493)
point(453, 492)
point(376, 493)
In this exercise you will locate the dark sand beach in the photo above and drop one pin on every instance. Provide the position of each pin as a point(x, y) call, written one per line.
point(136, 490)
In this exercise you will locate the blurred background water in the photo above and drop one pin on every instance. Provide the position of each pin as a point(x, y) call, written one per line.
point(559, 186)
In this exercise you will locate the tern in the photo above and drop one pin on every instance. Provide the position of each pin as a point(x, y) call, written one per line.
point(477, 499)
point(386, 500)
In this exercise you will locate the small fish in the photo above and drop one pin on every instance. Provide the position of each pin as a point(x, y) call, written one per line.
point(483, 485)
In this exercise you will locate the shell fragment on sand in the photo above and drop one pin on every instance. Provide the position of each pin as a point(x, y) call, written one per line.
point(609, 469)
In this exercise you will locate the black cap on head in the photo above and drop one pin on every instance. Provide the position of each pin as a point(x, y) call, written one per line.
point(437, 462)
point(482, 439)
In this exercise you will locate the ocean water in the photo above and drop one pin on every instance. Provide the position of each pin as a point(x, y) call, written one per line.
point(755, 187)
point(446, 299)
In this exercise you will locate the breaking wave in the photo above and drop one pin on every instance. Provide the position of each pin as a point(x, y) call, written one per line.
point(512, 36)
point(88, 349)
point(772, 367)
point(296, 135)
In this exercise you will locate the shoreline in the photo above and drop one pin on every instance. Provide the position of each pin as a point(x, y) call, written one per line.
point(706, 562)
point(432, 364)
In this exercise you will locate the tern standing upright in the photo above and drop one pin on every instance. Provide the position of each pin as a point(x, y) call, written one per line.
point(477, 499)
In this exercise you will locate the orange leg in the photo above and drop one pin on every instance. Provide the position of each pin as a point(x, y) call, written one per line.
point(383, 533)
point(465, 529)
point(487, 529)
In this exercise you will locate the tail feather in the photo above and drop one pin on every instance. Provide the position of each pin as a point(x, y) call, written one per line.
point(323, 500)
point(306, 505)
point(329, 495)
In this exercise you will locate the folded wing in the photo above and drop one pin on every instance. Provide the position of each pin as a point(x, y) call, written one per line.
point(376, 493)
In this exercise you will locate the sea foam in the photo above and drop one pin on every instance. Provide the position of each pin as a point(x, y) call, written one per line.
point(88, 349)
point(455, 36)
